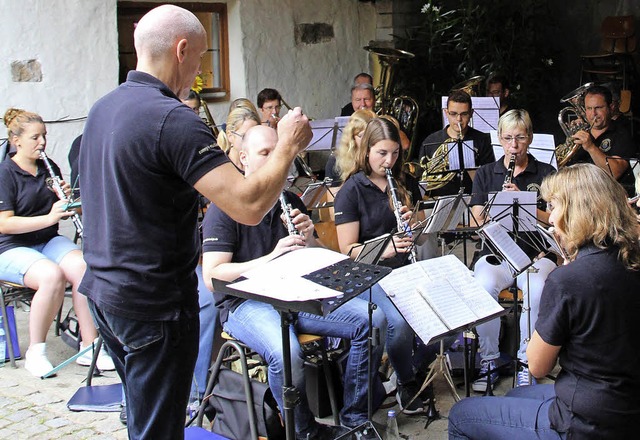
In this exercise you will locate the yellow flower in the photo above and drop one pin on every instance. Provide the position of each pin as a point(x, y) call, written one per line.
point(197, 84)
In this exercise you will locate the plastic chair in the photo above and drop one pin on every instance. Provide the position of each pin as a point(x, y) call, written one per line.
point(11, 292)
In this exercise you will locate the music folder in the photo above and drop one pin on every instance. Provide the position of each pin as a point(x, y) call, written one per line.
point(439, 296)
point(371, 249)
point(499, 240)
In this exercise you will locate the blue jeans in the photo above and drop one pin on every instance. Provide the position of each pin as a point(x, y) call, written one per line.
point(522, 414)
point(208, 320)
point(257, 324)
point(155, 361)
point(399, 342)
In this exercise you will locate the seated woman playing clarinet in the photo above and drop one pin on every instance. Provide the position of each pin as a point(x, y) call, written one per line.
point(363, 211)
point(32, 253)
point(517, 170)
point(588, 317)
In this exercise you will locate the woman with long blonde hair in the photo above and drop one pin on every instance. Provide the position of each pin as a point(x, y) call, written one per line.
point(587, 321)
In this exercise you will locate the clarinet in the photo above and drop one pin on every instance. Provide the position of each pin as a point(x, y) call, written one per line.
point(397, 204)
point(57, 188)
point(286, 210)
point(512, 167)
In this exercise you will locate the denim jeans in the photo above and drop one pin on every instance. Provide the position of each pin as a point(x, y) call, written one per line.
point(522, 414)
point(155, 361)
point(494, 278)
point(257, 324)
point(400, 335)
point(208, 320)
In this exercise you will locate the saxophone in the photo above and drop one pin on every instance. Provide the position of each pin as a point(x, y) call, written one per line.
point(286, 210)
point(397, 204)
point(54, 183)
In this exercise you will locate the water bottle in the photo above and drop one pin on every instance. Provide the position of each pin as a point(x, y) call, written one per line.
point(3, 343)
point(392, 426)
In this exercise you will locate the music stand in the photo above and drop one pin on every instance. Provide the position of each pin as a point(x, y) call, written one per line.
point(348, 279)
point(314, 192)
point(371, 249)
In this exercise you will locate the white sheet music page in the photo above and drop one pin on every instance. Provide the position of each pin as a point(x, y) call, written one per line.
point(502, 241)
point(281, 277)
point(445, 302)
point(502, 210)
point(400, 287)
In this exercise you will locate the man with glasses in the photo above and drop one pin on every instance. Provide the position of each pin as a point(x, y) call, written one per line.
point(459, 112)
point(270, 103)
point(607, 145)
point(497, 87)
point(515, 132)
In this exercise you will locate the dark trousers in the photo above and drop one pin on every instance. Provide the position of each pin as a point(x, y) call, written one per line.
point(155, 360)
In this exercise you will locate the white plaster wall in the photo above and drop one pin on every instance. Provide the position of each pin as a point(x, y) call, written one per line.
point(77, 44)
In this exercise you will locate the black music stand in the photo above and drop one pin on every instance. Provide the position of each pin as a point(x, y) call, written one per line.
point(371, 249)
point(349, 279)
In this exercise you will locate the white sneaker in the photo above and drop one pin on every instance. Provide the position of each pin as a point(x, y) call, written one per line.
point(36, 361)
point(524, 378)
point(104, 362)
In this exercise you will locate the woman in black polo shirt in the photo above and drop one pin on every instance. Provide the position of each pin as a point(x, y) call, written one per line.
point(363, 212)
point(588, 317)
point(31, 251)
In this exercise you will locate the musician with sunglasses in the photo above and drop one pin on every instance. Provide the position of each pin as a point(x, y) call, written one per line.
point(588, 317)
point(515, 132)
point(230, 249)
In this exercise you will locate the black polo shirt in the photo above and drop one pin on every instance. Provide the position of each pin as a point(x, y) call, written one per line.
point(483, 155)
point(27, 196)
point(220, 233)
point(347, 110)
point(142, 151)
point(360, 200)
point(489, 178)
point(590, 308)
point(615, 141)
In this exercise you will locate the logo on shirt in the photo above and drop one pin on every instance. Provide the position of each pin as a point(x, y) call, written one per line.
point(534, 187)
point(207, 148)
point(605, 145)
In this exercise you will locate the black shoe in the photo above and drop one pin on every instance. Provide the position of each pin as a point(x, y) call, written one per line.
point(405, 394)
point(427, 393)
point(324, 432)
point(123, 415)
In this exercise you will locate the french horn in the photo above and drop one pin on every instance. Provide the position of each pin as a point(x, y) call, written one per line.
point(572, 119)
point(436, 170)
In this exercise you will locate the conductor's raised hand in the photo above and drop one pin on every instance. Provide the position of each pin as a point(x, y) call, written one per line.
point(294, 131)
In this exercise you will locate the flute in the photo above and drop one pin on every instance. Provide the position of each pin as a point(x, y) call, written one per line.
point(57, 188)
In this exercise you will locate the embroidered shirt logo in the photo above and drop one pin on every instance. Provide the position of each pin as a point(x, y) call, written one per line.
point(605, 145)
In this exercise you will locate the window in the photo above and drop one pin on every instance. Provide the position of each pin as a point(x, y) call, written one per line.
point(215, 63)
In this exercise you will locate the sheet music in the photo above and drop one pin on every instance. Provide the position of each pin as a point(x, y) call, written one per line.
point(448, 289)
point(505, 245)
point(501, 209)
point(542, 147)
point(486, 112)
point(296, 263)
point(287, 288)
point(468, 155)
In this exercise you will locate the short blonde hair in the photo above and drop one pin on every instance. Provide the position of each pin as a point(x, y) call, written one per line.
point(593, 209)
point(517, 118)
point(234, 121)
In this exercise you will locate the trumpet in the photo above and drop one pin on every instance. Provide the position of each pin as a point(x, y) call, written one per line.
point(54, 182)
point(512, 167)
point(286, 211)
point(397, 204)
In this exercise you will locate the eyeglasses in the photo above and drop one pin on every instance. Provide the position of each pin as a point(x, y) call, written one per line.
point(241, 136)
point(272, 108)
point(462, 114)
point(519, 139)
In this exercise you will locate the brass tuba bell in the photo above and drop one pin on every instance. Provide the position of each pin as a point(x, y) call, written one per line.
point(470, 85)
point(569, 125)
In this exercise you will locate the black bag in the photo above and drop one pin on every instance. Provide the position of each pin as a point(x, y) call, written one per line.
point(229, 403)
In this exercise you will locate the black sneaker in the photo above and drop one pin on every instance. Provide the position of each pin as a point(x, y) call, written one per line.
point(404, 395)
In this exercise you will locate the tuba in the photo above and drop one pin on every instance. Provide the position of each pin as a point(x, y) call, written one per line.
point(470, 86)
point(569, 125)
point(403, 108)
